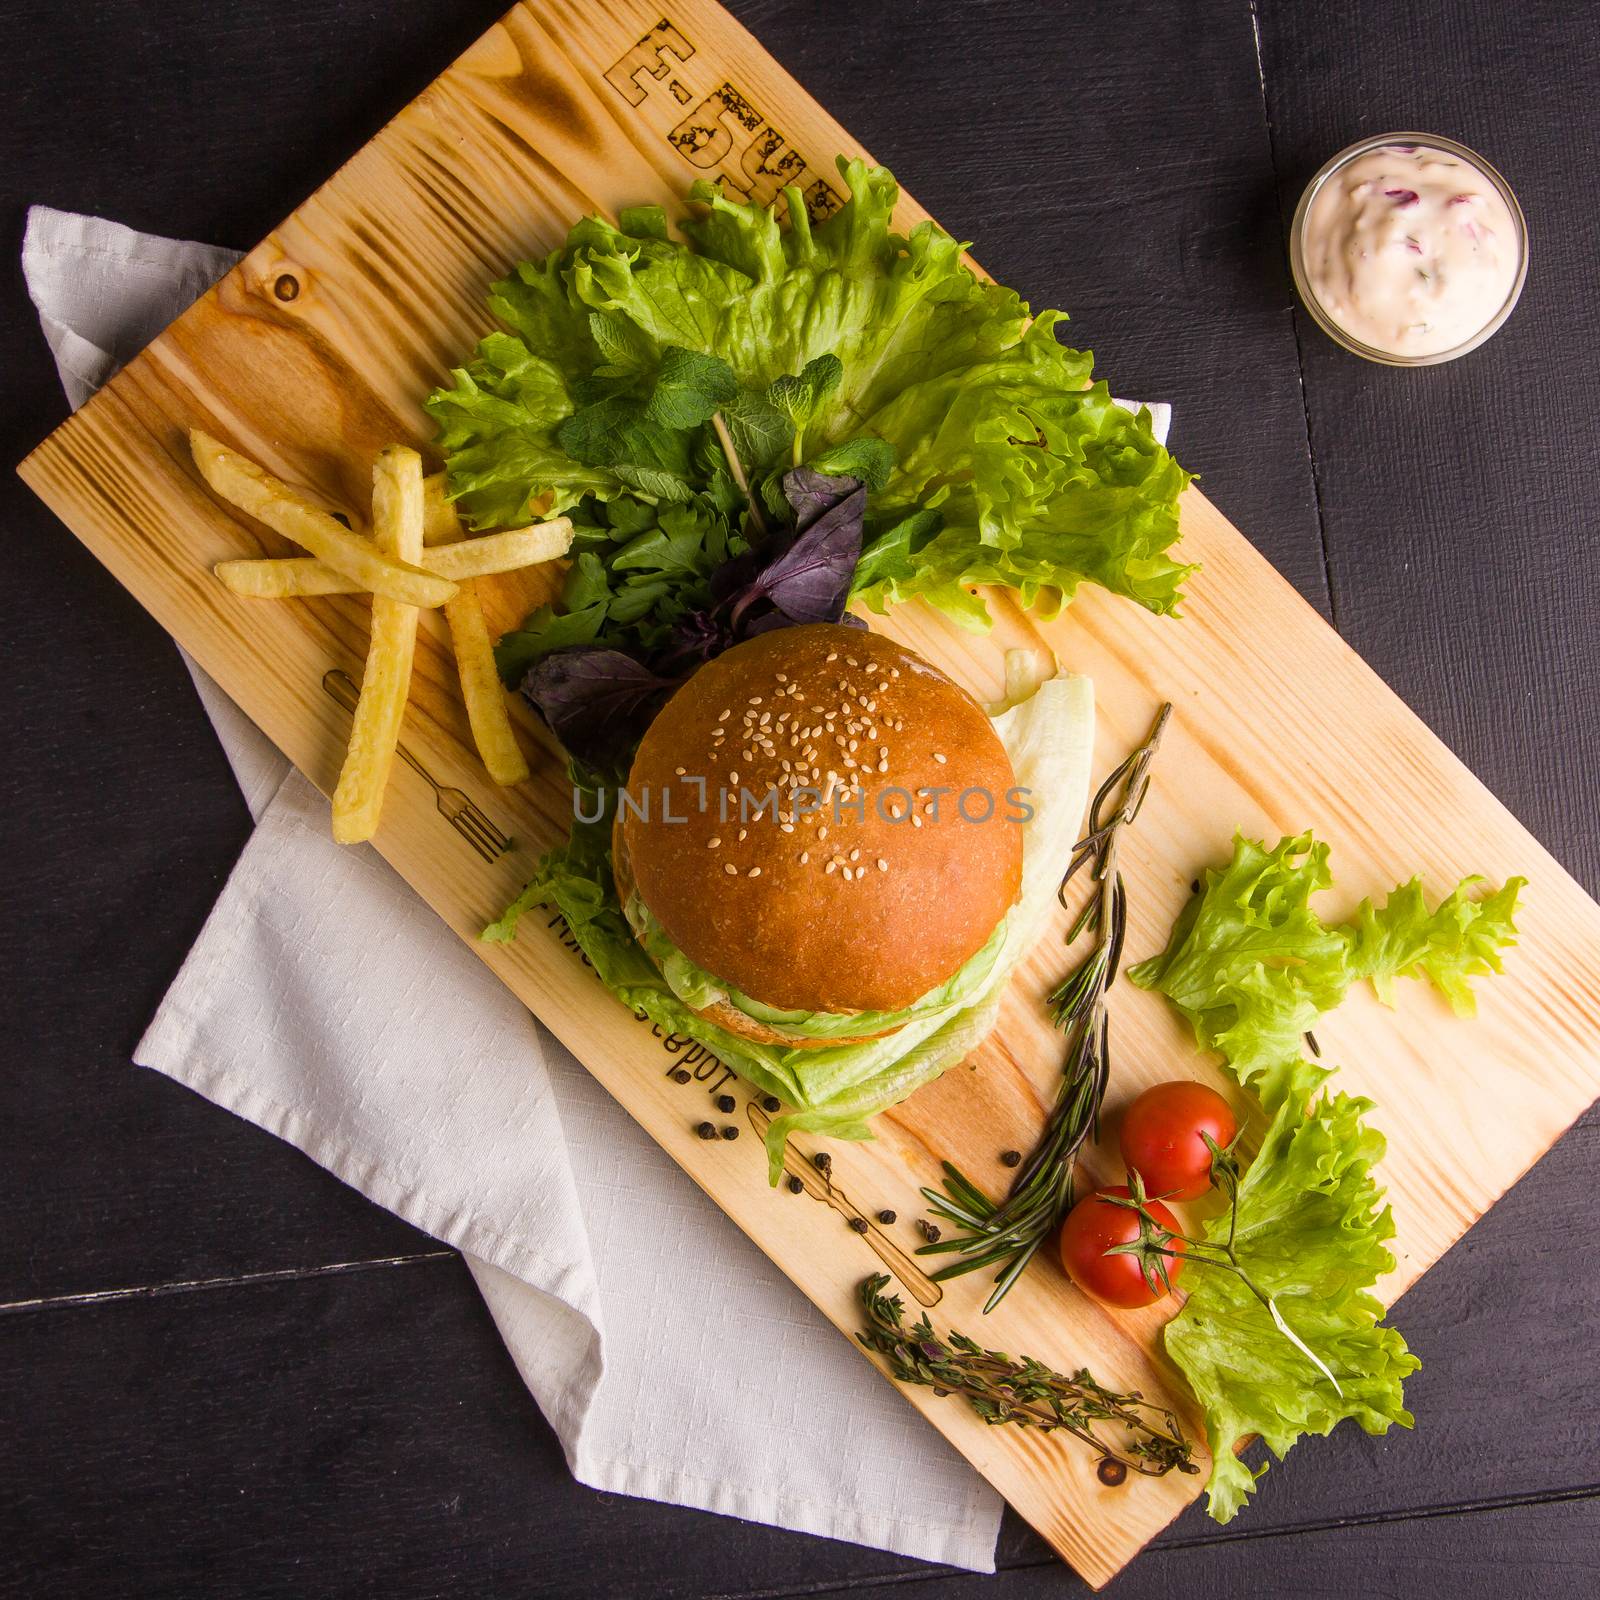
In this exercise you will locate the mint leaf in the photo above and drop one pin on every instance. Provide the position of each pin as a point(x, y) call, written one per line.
point(864, 457)
point(801, 398)
point(689, 387)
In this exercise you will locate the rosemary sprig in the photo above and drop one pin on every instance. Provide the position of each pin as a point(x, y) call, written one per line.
point(1025, 1392)
point(1154, 1246)
point(1009, 1233)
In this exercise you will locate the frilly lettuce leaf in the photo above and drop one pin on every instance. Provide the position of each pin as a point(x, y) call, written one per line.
point(849, 345)
point(1251, 965)
point(1459, 941)
point(1312, 1230)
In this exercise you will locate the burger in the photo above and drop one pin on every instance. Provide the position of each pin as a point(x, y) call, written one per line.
point(824, 865)
point(820, 830)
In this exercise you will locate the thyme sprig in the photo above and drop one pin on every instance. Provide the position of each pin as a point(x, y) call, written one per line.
point(1154, 1246)
point(1009, 1233)
point(1003, 1389)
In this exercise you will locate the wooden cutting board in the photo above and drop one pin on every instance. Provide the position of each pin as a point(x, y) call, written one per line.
point(320, 347)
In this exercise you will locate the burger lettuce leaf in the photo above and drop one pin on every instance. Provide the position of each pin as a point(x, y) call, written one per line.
point(837, 1089)
point(992, 456)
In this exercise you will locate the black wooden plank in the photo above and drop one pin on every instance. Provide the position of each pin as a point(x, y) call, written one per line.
point(1550, 1550)
point(1457, 501)
point(357, 1435)
point(365, 1434)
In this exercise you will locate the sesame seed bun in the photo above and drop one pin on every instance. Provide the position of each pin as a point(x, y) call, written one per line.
point(860, 901)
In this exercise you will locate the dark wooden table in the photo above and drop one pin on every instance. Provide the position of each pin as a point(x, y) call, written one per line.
point(223, 1373)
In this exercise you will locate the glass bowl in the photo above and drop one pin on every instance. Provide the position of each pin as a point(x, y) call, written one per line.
point(1308, 296)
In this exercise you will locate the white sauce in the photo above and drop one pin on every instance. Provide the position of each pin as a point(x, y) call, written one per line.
point(1410, 250)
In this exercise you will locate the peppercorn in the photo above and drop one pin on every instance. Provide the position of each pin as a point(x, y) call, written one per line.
point(730, 1132)
point(795, 1186)
point(886, 1217)
point(680, 1075)
point(769, 1102)
point(822, 1161)
point(859, 1224)
point(929, 1230)
point(1010, 1158)
point(1111, 1472)
point(706, 1131)
point(725, 1103)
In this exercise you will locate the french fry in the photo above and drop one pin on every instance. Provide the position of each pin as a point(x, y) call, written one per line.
point(375, 731)
point(481, 688)
point(252, 489)
point(288, 576)
point(441, 523)
point(284, 578)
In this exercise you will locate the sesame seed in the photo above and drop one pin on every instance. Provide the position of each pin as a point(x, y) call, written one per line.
point(742, 833)
point(855, 855)
point(830, 867)
point(916, 821)
point(848, 875)
point(883, 688)
point(679, 771)
point(939, 758)
point(733, 777)
point(754, 872)
point(850, 661)
point(883, 866)
point(711, 844)
point(785, 827)
point(833, 655)
point(783, 677)
point(726, 714)
point(730, 869)
point(883, 766)
point(805, 856)
point(755, 700)
point(822, 833)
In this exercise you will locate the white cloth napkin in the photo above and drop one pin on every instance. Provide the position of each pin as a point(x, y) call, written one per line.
point(325, 1003)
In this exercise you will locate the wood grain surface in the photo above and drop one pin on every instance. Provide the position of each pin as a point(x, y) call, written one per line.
point(1357, 887)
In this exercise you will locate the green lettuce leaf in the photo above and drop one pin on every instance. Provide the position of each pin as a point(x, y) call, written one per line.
point(1312, 1230)
point(1461, 940)
point(848, 344)
point(1252, 967)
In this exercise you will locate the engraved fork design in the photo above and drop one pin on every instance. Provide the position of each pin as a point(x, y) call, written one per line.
point(455, 805)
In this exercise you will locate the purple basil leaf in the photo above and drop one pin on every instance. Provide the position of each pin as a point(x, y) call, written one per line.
point(598, 702)
point(695, 637)
point(809, 580)
point(811, 493)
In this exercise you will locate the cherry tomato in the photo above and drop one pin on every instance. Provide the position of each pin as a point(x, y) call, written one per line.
point(1161, 1137)
point(1091, 1228)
